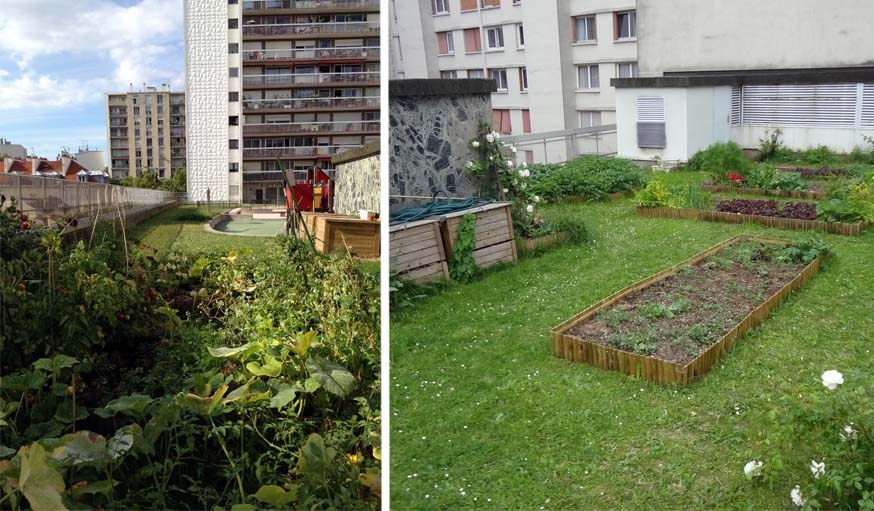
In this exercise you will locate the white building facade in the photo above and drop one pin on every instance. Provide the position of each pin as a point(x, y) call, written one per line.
point(552, 61)
point(736, 71)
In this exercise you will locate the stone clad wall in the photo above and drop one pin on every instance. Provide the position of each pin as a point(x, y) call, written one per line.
point(357, 186)
point(432, 123)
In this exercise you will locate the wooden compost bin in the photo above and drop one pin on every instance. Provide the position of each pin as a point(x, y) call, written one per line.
point(495, 241)
point(737, 218)
point(663, 371)
point(341, 233)
point(416, 250)
point(794, 194)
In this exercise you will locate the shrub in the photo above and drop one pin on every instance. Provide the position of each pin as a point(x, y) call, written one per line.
point(192, 216)
point(787, 181)
point(720, 159)
point(771, 147)
point(691, 196)
point(589, 177)
point(655, 195)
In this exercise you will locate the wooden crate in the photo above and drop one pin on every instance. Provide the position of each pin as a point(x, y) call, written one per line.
point(663, 371)
point(416, 251)
point(495, 241)
point(343, 233)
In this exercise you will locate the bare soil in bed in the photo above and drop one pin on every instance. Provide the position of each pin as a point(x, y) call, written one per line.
point(678, 317)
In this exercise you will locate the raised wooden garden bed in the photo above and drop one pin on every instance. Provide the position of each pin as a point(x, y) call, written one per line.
point(794, 194)
point(814, 172)
point(736, 218)
point(528, 245)
point(416, 251)
point(495, 241)
point(343, 233)
point(724, 317)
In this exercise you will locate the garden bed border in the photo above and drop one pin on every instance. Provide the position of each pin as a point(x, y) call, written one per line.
point(658, 370)
point(738, 218)
point(793, 194)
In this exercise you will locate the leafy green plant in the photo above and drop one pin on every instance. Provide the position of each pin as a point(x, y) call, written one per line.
point(462, 266)
point(720, 159)
point(691, 196)
point(588, 177)
point(771, 147)
point(655, 195)
point(805, 251)
point(820, 155)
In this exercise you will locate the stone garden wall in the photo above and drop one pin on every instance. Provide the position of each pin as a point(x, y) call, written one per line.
point(432, 122)
point(357, 180)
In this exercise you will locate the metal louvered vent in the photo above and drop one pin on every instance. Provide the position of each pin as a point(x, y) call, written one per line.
point(651, 122)
point(736, 105)
point(868, 105)
point(800, 105)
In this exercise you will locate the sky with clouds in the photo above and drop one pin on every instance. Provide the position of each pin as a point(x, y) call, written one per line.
point(59, 57)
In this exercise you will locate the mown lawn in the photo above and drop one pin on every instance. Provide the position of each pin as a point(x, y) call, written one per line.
point(483, 417)
point(170, 232)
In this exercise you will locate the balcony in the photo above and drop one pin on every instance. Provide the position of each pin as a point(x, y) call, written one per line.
point(295, 152)
point(310, 79)
point(339, 127)
point(360, 103)
point(309, 29)
point(118, 112)
point(296, 54)
point(177, 153)
point(262, 5)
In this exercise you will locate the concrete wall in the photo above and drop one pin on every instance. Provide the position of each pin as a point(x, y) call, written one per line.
point(842, 140)
point(676, 122)
point(357, 186)
point(412, 54)
point(693, 35)
point(206, 98)
point(429, 138)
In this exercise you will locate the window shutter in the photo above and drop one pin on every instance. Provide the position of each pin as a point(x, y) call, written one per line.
point(526, 121)
point(800, 105)
point(472, 40)
point(496, 120)
point(434, 7)
point(468, 5)
point(441, 43)
point(868, 105)
point(651, 122)
point(615, 26)
point(491, 3)
point(735, 105)
point(574, 23)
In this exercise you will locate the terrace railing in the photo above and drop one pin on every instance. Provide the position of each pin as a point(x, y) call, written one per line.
point(292, 152)
point(561, 146)
point(254, 5)
point(310, 127)
point(347, 52)
point(311, 78)
point(311, 28)
point(311, 103)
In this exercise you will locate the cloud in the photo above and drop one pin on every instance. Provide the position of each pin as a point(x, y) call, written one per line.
point(139, 43)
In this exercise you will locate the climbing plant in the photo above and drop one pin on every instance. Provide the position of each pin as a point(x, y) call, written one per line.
point(462, 267)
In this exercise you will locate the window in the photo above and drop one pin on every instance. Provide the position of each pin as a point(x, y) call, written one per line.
point(234, 120)
point(233, 167)
point(233, 2)
point(233, 97)
point(468, 5)
point(625, 25)
point(523, 79)
point(588, 119)
point(233, 144)
point(475, 73)
point(517, 2)
point(520, 37)
point(449, 75)
point(495, 38)
point(585, 29)
point(526, 121)
point(501, 121)
point(440, 7)
point(626, 69)
point(588, 77)
point(233, 48)
point(233, 72)
point(651, 122)
point(485, 4)
point(472, 40)
point(445, 43)
point(233, 23)
point(499, 76)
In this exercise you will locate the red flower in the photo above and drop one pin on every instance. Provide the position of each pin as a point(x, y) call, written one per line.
point(25, 226)
point(120, 316)
point(735, 177)
point(23, 217)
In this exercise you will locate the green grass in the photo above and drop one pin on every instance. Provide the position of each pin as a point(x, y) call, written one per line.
point(479, 404)
point(166, 232)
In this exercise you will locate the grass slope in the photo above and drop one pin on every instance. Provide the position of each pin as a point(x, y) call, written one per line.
point(483, 417)
point(166, 232)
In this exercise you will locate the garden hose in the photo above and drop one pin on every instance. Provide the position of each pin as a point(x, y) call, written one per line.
point(435, 208)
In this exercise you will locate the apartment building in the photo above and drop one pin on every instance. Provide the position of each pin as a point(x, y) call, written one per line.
point(552, 61)
point(145, 132)
point(293, 80)
point(802, 66)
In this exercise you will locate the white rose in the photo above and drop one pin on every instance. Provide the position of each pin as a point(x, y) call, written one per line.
point(509, 163)
point(505, 190)
point(529, 208)
point(513, 148)
point(490, 138)
point(524, 164)
point(796, 496)
point(524, 173)
point(817, 469)
point(831, 379)
point(475, 143)
point(753, 469)
point(496, 135)
point(491, 158)
point(536, 198)
point(470, 164)
point(849, 433)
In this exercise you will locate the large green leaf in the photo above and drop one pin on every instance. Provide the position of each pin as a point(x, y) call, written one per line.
point(276, 496)
point(23, 381)
point(124, 439)
point(41, 485)
point(82, 447)
point(103, 487)
point(228, 352)
point(5, 452)
point(133, 405)
point(333, 377)
point(304, 343)
point(55, 364)
point(284, 395)
point(314, 458)
point(271, 367)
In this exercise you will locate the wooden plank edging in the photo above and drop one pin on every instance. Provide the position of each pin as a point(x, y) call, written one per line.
point(737, 218)
point(793, 194)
